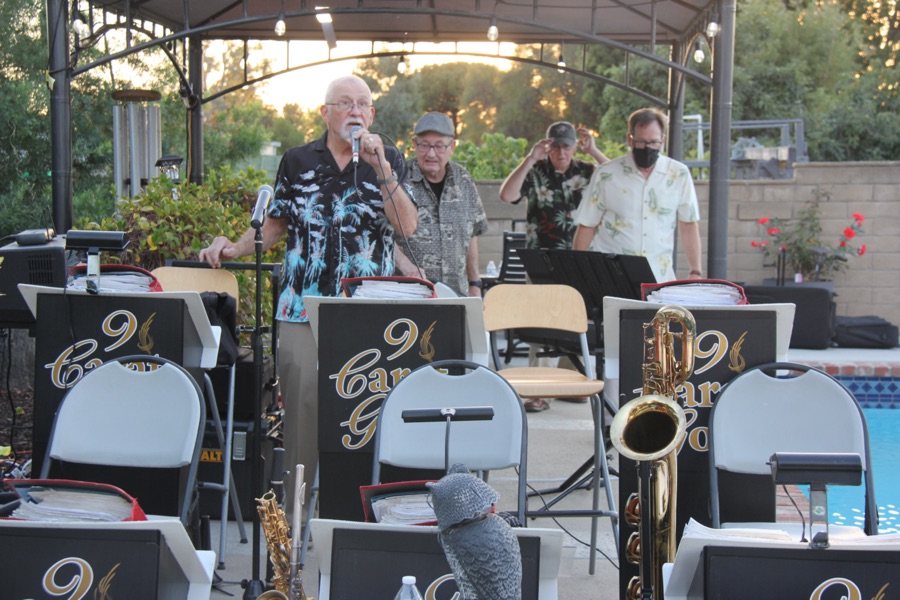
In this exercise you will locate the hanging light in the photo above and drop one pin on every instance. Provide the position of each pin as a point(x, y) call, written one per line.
point(280, 26)
point(493, 34)
point(80, 26)
point(324, 19)
point(712, 28)
point(699, 55)
point(561, 63)
point(401, 66)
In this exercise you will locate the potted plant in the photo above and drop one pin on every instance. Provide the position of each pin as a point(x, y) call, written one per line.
point(796, 247)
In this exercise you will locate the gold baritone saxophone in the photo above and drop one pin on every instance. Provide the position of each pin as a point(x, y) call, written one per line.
point(288, 585)
point(648, 430)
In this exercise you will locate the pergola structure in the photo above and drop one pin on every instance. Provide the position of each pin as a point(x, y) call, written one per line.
point(632, 26)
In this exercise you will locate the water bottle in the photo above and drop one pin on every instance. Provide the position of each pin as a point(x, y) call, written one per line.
point(409, 590)
point(492, 270)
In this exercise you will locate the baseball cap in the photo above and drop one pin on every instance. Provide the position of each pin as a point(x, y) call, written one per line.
point(562, 133)
point(436, 122)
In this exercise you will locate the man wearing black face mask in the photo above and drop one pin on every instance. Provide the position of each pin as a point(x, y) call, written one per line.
point(634, 203)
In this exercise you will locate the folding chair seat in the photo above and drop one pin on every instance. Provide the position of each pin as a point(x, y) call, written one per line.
point(559, 308)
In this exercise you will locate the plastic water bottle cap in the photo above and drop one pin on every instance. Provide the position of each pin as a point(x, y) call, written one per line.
point(409, 580)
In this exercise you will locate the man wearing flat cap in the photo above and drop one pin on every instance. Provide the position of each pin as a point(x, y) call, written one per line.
point(552, 180)
point(444, 247)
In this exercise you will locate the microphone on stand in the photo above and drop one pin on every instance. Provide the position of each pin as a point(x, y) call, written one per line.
point(354, 142)
point(263, 195)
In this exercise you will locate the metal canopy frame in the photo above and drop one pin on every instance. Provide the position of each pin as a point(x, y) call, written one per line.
point(629, 26)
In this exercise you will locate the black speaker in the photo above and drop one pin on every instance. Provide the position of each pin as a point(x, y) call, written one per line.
point(243, 385)
point(212, 465)
point(814, 317)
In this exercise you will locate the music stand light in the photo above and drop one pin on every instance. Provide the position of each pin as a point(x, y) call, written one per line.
point(93, 242)
point(434, 415)
point(818, 470)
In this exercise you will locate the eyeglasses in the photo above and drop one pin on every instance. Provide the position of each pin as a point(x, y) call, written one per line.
point(652, 144)
point(424, 148)
point(345, 105)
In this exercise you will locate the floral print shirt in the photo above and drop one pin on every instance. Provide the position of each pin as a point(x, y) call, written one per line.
point(637, 216)
point(336, 224)
point(440, 244)
point(552, 199)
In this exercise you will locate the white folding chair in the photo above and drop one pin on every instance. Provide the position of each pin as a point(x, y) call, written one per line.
point(498, 443)
point(147, 415)
point(759, 413)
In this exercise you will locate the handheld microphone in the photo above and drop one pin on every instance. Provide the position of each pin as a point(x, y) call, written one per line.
point(354, 142)
point(263, 195)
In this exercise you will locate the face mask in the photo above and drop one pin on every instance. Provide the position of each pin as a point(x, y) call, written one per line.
point(645, 157)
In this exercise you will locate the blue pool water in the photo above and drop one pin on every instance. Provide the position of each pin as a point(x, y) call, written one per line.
point(846, 503)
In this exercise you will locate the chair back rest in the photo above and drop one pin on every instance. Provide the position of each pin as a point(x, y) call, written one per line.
point(512, 270)
point(548, 306)
point(117, 416)
point(481, 445)
point(189, 279)
point(757, 415)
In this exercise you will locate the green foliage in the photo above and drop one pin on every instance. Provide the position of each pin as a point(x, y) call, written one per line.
point(167, 222)
point(495, 158)
point(235, 132)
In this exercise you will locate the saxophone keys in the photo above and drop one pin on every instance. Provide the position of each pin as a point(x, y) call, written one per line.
point(632, 511)
point(633, 548)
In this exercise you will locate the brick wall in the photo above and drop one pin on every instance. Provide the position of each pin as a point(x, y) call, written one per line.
point(869, 287)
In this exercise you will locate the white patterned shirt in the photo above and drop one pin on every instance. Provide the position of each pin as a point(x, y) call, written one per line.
point(637, 216)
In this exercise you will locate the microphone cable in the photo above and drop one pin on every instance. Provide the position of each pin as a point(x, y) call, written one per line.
point(401, 179)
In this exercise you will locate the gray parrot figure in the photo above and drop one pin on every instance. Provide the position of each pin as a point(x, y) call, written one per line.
point(480, 546)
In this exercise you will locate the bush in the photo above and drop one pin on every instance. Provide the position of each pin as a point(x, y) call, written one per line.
point(169, 222)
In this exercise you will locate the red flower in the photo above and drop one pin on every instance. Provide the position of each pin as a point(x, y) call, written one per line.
point(764, 243)
point(763, 220)
point(843, 244)
point(861, 250)
point(858, 218)
point(754, 244)
point(773, 231)
point(849, 233)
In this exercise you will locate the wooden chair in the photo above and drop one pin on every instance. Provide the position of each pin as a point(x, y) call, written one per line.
point(559, 308)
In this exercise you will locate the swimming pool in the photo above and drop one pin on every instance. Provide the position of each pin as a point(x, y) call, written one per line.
point(845, 504)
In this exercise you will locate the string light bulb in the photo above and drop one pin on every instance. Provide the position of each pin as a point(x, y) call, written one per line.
point(699, 55)
point(401, 66)
point(80, 26)
point(280, 26)
point(493, 34)
point(712, 30)
point(561, 64)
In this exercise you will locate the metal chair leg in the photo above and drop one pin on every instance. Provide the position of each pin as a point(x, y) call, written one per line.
point(227, 488)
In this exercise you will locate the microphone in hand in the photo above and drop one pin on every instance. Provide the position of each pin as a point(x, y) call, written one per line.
point(354, 142)
point(263, 196)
